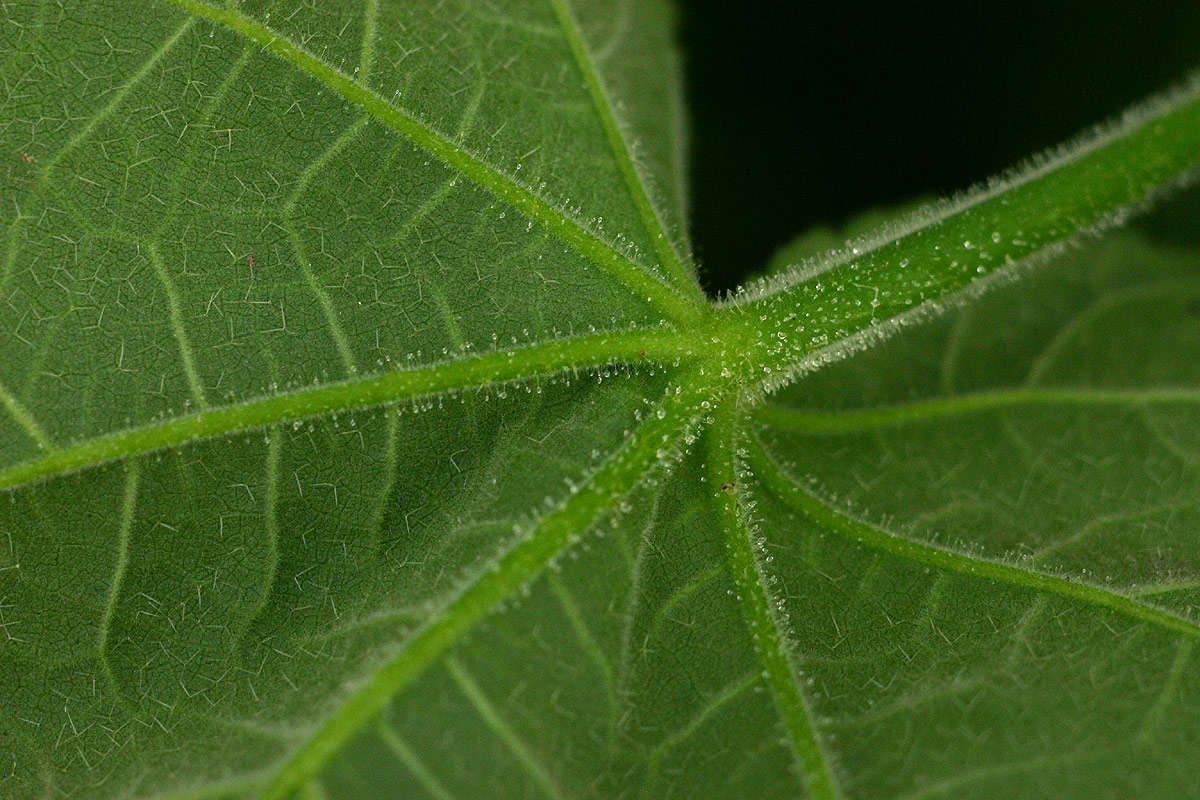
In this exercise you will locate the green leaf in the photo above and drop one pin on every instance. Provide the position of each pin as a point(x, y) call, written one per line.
point(992, 519)
point(364, 433)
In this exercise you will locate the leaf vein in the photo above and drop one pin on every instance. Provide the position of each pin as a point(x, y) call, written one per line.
point(503, 731)
point(1183, 654)
point(765, 628)
point(25, 419)
point(546, 538)
point(634, 184)
point(652, 345)
point(103, 113)
point(587, 641)
point(715, 703)
point(124, 532)
point(328, 310)
point(838, 521)
point(175, 313)
point(664, 297)
point(429, 782)
point(853, 420)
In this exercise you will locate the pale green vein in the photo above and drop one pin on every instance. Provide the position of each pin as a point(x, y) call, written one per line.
point(698, 582)
point(954, 785)
point(1020, 637)
point(426, 208)
point(617, 33)
point(121, 563)
point(952, 352)
point(34, 370)
point(25, 419)
point(1097, 524)
point(714, 704)
point(651, 222)
point(1165, 587)
point(1165, 290)
point(837, 521)
point(318, 291)
point(641, 282)
point(313, 790)
point(314, 168)
point(805, 421)
point(587, 641)
point(766, 630)
point(391, 466)
point(412, 761)
point(1170, 691)
point(318, 164)
point(175, 312)
point(395, 622)
point(503, 731)
point(215, 790)
point(367, 50)
point(279, 733)
point(271, 528)
point(545, 539)
point(637, 575)
point(1189, 457)
point(655, 345)
point(188, 162)
point(106, 111)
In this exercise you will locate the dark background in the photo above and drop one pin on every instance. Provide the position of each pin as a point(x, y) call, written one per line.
point(805, 113)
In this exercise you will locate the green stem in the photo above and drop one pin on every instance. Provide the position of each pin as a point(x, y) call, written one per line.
point(1094, 183)
point(765, 628)
point(655, 345)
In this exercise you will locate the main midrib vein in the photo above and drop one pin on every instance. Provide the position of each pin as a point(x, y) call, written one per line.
point(1083, 187)
point(831, 519)
point(765, 628)
point(641, 282)
point(651, 345)
point(649, 444)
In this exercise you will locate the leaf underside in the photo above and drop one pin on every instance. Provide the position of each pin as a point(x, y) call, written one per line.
point(364, 433)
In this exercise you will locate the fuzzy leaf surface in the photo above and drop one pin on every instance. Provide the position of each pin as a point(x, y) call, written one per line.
point(364, 433)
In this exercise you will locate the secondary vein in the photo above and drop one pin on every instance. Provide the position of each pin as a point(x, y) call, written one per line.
point(807, 421)
point(106, 111)
point(128, 507)
point(409, 758)
point(836, 521)
point(502, 730)
point(178, 328)
point(666, 299)
point(25, 419)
